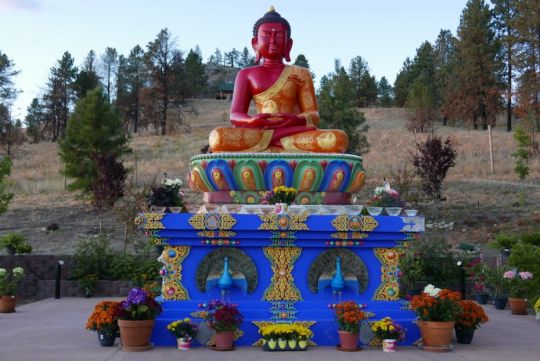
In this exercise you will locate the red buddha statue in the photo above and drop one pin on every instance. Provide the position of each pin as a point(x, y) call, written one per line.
point(287, 114)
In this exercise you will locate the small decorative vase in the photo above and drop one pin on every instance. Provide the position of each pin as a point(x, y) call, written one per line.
point(281, 208)
point(292, 344)
point(389, 345)
point(106, 339)
point(464, 335)
point(272, 344)
point(500, 303)
point(135, 335)
point(518, 305)
point(184, 343)
point(282, 343)
point(348, 341)
point(481, 299)
point(436, 336)
point(303, 344)
point(224, 340)
point(7, 304)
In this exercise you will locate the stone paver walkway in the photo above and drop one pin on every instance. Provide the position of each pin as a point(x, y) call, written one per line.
point(54, 330)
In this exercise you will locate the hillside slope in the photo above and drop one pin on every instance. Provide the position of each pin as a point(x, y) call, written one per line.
point(478, 202)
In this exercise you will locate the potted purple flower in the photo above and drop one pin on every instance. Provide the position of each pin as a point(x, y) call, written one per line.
point(136, 320)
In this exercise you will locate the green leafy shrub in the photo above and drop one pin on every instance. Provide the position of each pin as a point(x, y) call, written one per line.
point(93, 256)
point(531, 238)
point(504, 241)
point(526, 257)
point(15, 243)
point(428, 260)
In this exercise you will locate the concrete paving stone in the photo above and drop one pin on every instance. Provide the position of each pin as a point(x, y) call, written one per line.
point(54, 330)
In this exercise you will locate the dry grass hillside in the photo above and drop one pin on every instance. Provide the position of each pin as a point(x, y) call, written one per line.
point(478, 202)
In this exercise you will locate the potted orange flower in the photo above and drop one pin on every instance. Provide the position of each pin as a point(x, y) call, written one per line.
point(104, 320)
point(349, 316)
point(437, 312)
point(470, 318)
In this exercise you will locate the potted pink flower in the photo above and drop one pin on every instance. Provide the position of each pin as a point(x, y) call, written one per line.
point(519, 285)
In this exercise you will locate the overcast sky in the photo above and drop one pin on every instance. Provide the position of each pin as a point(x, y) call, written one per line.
point(35, 33)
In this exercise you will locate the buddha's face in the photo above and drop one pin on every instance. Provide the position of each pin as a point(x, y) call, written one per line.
point(272, 41)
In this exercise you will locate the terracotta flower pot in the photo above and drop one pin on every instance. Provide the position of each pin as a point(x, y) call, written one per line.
point(135, 335)
point(348, 341)
point(7, 304)
point(518, 306)
point(224, 340)
point(436, 336)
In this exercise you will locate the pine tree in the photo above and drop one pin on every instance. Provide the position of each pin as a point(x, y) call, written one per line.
point(505, 18)
point(475, 92)
point(34, 120)
point(445, 62)
point(5, 171)
point(7, 73)
point(8, 94)
point(87, 79)
point(246, 59)
point(302, 61)
point(403, 83)
point(195, 75)
point(130, 84)
point(527, 25)
point(385, 92)
point(161, 56)
point(59, 95)
point(232, 58)
point(421, 99)
point(109, 65)
point(95, 142)
point(337, 104)
point(364, 84)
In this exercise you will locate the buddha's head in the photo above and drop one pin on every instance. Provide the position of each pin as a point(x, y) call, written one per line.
point(272, 37)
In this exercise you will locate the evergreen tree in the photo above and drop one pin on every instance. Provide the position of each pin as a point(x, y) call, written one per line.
point(87, 79)
point(365, 85)
point(385, 92)
point(337, 103)
point(421, 99)
point(527, 26)
point(302, 61)
point(5, 171)
point(445, 62)
point(505, 13)
point(216, 58)
point(161, 56)
point(59, 95)
point(95, 142)
point(195, 75)
point(34, 120)
point(475, 92)
point(403, 83)
point(8, 93)
point(246, 59)
point(7, 73)
point(130, 83)
point(232, 57)
point(109, 65)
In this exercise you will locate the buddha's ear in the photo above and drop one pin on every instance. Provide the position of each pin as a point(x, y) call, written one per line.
point(288, 50)
point(256, 48)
